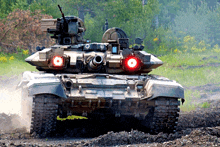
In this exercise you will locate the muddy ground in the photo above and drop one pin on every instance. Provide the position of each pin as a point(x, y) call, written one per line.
point(197, 128)
point(200, 128)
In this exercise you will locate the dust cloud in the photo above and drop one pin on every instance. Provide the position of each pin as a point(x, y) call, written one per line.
point(10, 104)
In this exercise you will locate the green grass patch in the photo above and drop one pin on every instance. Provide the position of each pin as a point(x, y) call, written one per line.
point(190, 77)
point(187, 107)
point(205, 105)
point(189, 97)
point(189, 59)
point(14, 64)
point(187, 68)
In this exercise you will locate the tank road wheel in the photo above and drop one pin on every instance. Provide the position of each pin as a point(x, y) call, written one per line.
point(165, 116)
point(44, 114)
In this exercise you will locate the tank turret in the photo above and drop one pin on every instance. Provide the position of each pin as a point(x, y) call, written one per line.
point(73, 54)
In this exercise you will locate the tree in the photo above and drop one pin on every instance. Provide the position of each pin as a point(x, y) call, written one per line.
point(21, 29)
point(198, 21)
point(6, 7)
point(46, 6)
point(168, 11)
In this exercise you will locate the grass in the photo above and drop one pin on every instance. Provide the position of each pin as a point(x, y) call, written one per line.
point(179, 67)
point(192, 76)
point(189, 59)
point(205, 105)
point(190, 96)
point(15, 66)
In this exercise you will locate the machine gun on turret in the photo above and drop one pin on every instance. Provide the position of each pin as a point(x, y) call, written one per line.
point(66, 30)
point(65, 23)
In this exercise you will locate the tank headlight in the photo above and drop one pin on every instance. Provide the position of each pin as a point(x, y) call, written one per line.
point(131, 63)
point(58, 61)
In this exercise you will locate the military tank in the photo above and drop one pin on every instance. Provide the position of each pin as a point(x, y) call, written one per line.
point(77, 77)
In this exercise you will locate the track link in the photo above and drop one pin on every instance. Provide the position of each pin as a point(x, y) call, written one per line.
point(44, 113)
point(165, 116)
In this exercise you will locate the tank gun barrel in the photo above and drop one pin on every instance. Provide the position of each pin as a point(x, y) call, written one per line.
point(95, 62)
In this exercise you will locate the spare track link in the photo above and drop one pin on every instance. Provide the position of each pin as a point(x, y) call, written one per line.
point(165, 117)
point(44, 113)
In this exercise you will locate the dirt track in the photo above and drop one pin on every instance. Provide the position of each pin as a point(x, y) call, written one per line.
point(198, 128)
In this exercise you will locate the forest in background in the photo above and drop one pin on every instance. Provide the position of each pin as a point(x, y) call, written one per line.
point(166, 26)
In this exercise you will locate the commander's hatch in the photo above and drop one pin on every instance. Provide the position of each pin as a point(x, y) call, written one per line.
point(117, 39)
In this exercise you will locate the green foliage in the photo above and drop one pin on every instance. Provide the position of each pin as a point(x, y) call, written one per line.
point(165, 44)
point(131, 16)
point(20, 4)
point(168, 11)
point(134, 18)
point(185, 3)
point(214, 26)
point(46, 6)
point(5, 7)
point(216, 49)
point(205, 105)
point(197, 21)
point(194, 28)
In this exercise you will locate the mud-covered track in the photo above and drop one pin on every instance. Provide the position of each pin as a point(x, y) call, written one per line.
point(44, 114)
point(165, 116)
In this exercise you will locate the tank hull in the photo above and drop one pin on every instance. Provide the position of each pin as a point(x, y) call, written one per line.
point(101, 95)
point(101, 86)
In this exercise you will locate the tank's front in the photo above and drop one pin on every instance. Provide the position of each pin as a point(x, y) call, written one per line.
point(118, 94)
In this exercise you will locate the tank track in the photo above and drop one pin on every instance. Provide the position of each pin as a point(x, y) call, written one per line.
point(165, 115)
point(44, 113)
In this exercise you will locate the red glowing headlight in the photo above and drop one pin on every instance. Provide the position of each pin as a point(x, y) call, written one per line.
point(131, 63)
point(57, 61)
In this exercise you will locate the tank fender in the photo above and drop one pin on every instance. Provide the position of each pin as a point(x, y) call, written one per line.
point(39, 83)
point(163, 88)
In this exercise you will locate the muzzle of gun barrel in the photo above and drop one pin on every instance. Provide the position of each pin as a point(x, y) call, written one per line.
point(95, 62)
